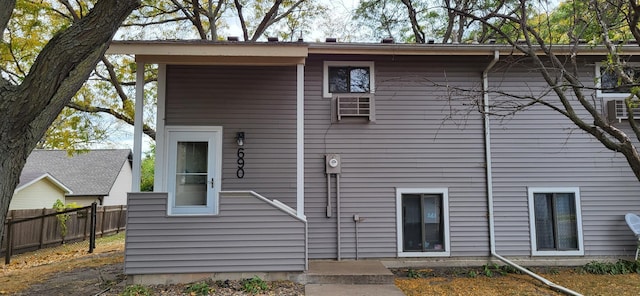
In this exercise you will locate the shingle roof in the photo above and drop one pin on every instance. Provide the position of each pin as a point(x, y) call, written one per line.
point(90, 173)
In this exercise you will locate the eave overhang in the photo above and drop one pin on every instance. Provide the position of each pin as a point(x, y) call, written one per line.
point(462, 49)
point(199, 52)
point(212, 53)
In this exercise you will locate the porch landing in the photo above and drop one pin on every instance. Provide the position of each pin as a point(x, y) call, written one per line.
point(349, 278)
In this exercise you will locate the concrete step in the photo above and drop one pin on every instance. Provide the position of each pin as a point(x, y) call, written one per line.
point(351, 290)
point(363, 272)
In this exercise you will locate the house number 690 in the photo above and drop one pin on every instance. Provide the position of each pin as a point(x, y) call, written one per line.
point(240, 171)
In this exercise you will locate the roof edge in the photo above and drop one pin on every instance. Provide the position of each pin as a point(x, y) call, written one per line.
point(159, 50)
point(49, 177)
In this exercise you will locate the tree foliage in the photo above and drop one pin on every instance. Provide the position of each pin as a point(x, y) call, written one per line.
point(422, 20)
point(32, 24)
point(208, 20)
point(147, 170)
point(30, 103)
point(105, 104)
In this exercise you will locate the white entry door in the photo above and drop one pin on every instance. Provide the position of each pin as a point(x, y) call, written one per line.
point(194, 157)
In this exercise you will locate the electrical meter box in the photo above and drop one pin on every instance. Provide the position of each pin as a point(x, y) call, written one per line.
point(333, 163)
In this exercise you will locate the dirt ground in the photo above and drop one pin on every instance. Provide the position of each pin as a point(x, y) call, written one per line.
point(473, 281)
point(65, 270)
point(70, 270)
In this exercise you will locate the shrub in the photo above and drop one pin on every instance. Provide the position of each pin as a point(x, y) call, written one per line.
point(59, 206)
point(136, 290)
point(619, 267)
point(199, 289)
point(254, 285)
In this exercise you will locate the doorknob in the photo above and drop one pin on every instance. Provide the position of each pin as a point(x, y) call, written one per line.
point(212, 185)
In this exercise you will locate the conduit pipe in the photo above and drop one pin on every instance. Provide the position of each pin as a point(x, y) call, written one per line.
point(329, 210)
point(338, 214)
point(487, 146)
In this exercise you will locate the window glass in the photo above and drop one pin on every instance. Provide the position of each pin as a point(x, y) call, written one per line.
point(611, 83)
point(349, 79)
point(555, 221)
point(191, 173)
point(422, 223)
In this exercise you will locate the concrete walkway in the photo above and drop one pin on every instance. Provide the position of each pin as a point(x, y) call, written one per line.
point(349, 278)
point(351, 290)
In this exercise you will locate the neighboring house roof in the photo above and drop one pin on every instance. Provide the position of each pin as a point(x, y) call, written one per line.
point(89, 173)
point(28, 178)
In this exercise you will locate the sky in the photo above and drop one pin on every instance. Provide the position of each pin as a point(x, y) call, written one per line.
point(341, 12)
point(122, 134)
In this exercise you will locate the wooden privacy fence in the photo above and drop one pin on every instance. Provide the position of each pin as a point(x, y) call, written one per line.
point(28, 230)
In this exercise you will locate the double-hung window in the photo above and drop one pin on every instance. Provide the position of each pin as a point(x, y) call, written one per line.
point(555, 220)
point(344, 77)
point(609, 84)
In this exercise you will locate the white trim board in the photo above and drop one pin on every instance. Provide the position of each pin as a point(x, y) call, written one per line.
point(444, 192)
point(532, 221)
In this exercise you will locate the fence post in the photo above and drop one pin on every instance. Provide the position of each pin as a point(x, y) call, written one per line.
point(92, 236)
point(86, 222)
point(104, 214)
point(44, 210)
point(119, 219)
point(7, 253)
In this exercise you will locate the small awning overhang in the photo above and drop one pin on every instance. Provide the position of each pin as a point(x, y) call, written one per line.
point(202, 52)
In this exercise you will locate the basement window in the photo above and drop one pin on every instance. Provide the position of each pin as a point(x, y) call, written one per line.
point(555, 221)
point(423, 222)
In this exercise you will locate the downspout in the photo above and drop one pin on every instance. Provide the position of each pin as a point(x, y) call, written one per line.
point(487, 146)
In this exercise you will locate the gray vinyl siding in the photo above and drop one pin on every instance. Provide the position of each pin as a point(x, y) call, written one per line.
point(425, 136)
point(259, 101)
point(249, 235)
point(415, 142)
point(539, 148)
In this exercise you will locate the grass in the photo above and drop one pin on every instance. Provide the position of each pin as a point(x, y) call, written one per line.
point(29, 268)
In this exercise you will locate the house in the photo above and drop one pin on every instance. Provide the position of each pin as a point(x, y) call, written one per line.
point(273, 154)
point(38, 190)
point(103, 176)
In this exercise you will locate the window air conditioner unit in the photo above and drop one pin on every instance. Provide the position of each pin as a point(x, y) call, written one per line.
point(617, 110)
point(355, 105)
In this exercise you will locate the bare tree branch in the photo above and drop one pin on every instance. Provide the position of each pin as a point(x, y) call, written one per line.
point(156, 22)
point(69, 7)
point(417, 31)
point(559, 75)
point(243, 24)
point(148, 130)
point(196, 18)
point(113, 79)
point(272, 13)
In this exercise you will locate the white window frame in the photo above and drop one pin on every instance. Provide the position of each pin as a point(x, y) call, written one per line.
point(532, 221)
point(444, 192)
point(175, 133)
point(601, 94)
point(325, 77)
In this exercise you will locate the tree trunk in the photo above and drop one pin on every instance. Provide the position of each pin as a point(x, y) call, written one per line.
point(57, 74)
